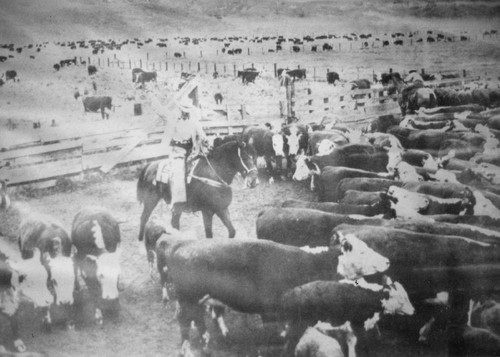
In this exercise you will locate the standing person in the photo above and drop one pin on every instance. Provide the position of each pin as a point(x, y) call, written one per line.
point(184, 138)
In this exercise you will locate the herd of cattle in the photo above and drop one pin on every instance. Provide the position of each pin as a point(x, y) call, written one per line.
point(404, 235)
point(409, 214)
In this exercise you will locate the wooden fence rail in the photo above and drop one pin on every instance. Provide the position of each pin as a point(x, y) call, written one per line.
point(73, 156)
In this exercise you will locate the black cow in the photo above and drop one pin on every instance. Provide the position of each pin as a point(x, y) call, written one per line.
point(11, 75)
point(177, 55)
point(248, 75)
point(297, 74)
point(218, 98)
point(332, 77)
point(327, 47)
point(96, 235)
point(296, 48)
point(91, 69)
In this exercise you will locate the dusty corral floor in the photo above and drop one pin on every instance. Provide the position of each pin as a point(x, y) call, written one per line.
point(144, 327)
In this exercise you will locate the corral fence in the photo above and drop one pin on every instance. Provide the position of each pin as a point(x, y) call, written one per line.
point(356, 107)
point(225, 69)
point(50, 156)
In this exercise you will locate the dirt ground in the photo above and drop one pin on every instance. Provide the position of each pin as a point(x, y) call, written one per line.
point(144, 326)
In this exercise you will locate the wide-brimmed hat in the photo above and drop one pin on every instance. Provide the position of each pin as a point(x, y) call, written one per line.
point(185, 105)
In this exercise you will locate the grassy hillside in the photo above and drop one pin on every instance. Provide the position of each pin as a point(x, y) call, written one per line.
point(40, 20)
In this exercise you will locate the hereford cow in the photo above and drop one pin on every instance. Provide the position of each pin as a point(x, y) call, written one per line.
point(96, 104)
point(358, 303)
point(47, 237)
point(302, 226)
point(256, 273)
point(135, 73)
point(144, 77)
point(264, 143)
point(435, 259)
point(96, 235)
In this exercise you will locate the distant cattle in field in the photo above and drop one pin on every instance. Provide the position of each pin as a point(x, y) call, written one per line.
point(332, 77)
point(398, 42)
point(463, 38)
point(248, 76)
point(218, 98)
point(327, 47)
point(385, 43)
point(3, 58)
point(96, 104)
point(135, 73)
point(144, 77)
point(11, 75)
point(177, 55)
point(297, 74)
point(91, 69)
point(296, 49)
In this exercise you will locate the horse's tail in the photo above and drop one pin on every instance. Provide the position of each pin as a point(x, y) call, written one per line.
point(142, 184)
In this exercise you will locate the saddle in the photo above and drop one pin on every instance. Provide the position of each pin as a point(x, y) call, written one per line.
point(164, 173)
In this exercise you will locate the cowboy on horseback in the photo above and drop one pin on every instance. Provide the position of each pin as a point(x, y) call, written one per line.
point(414, 81)
point(185, 141)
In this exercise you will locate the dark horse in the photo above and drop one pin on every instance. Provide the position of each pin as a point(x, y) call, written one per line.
point(209, 189)
point(418, 97)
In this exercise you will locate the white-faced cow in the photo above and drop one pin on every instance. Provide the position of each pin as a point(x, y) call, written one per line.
point(256, 273)
point(338, 302)
point(46, 246)
point(264, 143)
point(102, 104)
point(96, 235)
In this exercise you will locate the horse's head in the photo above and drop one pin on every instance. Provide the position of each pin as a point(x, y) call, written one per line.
point(246, 164)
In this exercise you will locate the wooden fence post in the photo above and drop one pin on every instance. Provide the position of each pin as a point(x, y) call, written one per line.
point(140, 63)
point(108, 62)
point(166, 66)
point(129, 64)
point(275, 70)
point(234, 69)
point(199, 67)
point(243, 112)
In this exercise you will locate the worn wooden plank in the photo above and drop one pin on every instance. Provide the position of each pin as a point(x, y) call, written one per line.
point(120, 155)
point(45, 171)
point(39, 150)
